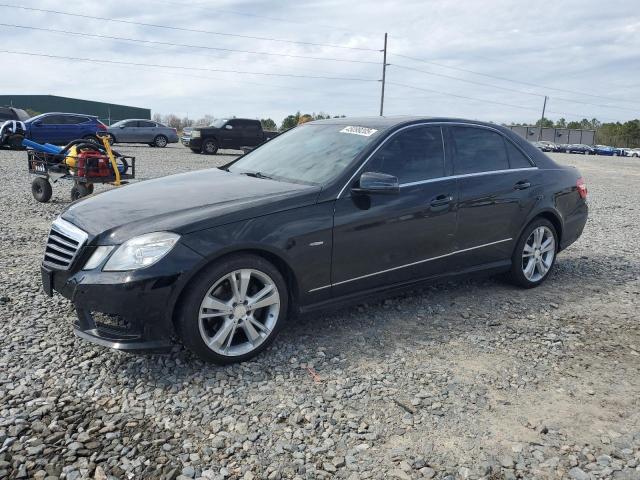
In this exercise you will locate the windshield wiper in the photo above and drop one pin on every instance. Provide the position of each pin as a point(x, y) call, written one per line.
point(256, 175)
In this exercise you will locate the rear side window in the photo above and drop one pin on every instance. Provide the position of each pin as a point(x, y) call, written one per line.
point(478, 150)
point(146, 124)
point(75, 120)
point(517, 159)
point(412, 155)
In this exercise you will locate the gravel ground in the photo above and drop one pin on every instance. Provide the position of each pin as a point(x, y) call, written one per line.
point(473, 379)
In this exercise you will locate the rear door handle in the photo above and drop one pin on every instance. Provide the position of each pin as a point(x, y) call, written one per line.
point(522, 185)
point(440, 200)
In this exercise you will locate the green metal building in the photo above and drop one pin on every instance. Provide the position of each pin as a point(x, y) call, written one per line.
point(107, 112)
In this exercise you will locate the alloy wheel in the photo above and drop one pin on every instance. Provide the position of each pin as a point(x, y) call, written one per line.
point(161, 142)
point(239, 312)
point(538, 254)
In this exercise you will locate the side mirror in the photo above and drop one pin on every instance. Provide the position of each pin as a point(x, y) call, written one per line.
point(228, 127)
point(375, 182)
point(122, 126)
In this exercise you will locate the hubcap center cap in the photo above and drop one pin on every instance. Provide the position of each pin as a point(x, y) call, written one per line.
point(239, 311)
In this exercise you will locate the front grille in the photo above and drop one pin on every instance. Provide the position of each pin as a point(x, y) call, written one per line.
point(63, 245)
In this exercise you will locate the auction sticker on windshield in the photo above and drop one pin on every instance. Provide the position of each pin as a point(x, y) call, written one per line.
point(364, 131)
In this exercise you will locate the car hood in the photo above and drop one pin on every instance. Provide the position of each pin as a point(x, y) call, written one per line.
point(183, 203)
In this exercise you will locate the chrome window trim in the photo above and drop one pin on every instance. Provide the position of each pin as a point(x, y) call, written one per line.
point(441, 124)
point(465, 175)
point(409, 264)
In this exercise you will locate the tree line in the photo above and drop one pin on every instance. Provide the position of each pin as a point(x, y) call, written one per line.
point(616, 134)
point(290, 121)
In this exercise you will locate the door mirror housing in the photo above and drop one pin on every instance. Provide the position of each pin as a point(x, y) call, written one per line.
point(228, 127)
point(122, 126)
point(376, 182)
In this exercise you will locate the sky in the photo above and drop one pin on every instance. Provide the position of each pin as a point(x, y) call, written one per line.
point(491, 60)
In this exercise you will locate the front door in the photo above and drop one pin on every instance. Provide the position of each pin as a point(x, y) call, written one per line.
point(385, 239)
point(231, 135)
point(48, 129)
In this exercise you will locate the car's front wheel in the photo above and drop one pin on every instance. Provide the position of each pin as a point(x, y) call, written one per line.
point(210, 147)
point(234, 309)
point(535, 254)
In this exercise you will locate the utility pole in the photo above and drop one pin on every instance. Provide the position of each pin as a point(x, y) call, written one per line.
point(384, 73)
point(544, 107)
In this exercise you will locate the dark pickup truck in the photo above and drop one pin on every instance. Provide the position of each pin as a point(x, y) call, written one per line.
point(232, 133)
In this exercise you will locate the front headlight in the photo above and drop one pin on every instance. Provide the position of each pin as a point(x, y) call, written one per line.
point(195, 133)
point(142, 251)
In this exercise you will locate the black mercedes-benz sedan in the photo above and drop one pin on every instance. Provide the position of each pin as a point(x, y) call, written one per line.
point(328, 212)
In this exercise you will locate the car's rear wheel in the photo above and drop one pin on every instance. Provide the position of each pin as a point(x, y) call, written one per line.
point(234, 309)
point(535, 254)
point(91, 138)
point(160, 141)
point(210, 147)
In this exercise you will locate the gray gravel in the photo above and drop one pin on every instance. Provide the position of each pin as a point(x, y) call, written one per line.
point(474, 379)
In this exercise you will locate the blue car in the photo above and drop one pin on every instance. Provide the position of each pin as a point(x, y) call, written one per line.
point(61, 128)
point(604, 150)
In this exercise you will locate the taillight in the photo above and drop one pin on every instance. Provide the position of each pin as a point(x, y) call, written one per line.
point(101, 126)
point(582, 188)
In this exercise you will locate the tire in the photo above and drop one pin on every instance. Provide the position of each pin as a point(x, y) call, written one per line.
point(160, 141)
point(521, 273)
point(209, 147)
point(41, 189)
point(92, 139)
point(112, 139)
point(195, 150)
point(90, 188)
point(225, 320)
point(78, 191)
point(15, 142)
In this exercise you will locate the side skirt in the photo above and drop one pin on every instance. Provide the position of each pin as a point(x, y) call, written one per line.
point(346, 300)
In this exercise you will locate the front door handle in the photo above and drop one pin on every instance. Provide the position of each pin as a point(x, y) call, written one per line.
point(440, 200)
point(522, 185)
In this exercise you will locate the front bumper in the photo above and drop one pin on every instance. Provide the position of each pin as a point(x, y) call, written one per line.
point(195, 143)
point(130, 311)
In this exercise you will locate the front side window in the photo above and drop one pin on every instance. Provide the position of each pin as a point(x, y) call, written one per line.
point(478, 150)
point(412, 155)
point(312, 153)
point(53, 120)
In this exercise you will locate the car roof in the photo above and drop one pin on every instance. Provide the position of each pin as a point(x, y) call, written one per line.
point(65, 113)
point(386, 122)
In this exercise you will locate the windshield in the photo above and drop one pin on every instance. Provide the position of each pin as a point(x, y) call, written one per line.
point(218, 122)
point(312, 153)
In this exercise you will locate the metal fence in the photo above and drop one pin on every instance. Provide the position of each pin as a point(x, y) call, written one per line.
point(556, 135)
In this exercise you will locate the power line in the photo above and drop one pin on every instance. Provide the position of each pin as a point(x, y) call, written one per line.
point(207, 8)
point(181, 67)
point(183, 29)
point(511, 89)
point(483, 100)
point(185, 45)
point(511, 80)
point(466, 81)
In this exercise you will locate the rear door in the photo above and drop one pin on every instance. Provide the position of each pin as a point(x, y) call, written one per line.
point(495, 180)
point(252, 134)
point(147, 131)
point(74, 127)
point(380, 240)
